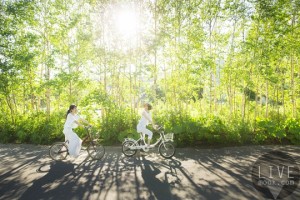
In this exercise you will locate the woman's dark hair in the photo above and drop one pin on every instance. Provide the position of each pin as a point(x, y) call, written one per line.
point(70, 108)
point(149, 106)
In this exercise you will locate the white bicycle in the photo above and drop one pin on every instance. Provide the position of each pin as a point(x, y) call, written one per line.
point(165, 142)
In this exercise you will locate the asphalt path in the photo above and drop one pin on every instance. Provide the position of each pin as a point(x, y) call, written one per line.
point(27, 172)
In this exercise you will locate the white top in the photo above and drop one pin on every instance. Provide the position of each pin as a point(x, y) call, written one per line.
point(70, 122)
point(144, 120)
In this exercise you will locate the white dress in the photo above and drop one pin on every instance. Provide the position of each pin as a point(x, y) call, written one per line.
point(141, 127)
point(74, 142)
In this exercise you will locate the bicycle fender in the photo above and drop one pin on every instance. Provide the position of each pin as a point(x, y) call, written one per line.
point(129, 139)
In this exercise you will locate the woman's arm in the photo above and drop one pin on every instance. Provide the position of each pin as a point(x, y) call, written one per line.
point(80, 119)
point(84, 121)
point(147, 117)
point(77, 120)
point(79, 124)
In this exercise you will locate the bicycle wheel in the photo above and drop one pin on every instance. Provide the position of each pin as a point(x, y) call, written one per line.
point(126, 148)
point(58, 151)
point(96, 151)
point(166, 149)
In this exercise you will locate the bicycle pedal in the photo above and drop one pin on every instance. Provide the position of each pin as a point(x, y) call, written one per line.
point(146, 149)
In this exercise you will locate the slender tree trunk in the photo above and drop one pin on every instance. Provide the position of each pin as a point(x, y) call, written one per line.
point(140, 62)
point(45, 59)
point(24, 99)
point(210, 70)
point(256, 102)
point(32, 96)
point(283, 96)
point(277, 101)
point(267, 99)
point(244, 103)
point(155, 52)
point(234, 95)
point(10, 106)
point(48, 92)
point(229, 93)
point(130, 89)
point(292, 74)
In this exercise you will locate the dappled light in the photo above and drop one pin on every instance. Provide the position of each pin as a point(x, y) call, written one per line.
point(191, 174)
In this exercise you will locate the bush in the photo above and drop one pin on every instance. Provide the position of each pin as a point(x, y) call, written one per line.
point(292, 128)
point(8, 133)
point(189, 130)
point(34, 129)
point(268, 130)
point(117, 124)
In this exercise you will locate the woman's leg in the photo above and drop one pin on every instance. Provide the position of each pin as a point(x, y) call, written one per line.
point(74, 145)
point(149, 133)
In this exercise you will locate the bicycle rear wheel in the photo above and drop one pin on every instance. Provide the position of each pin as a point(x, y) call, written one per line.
point(166, 149)
point(96, 151)
point(58, 151)
point(127, 148)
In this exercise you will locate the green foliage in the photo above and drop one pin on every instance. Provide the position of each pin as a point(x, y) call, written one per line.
point(190, 130)
point(292, 128)
point(217, 72)
point(267, 129)
point(34, 129)
point(120, 123)
point(212, 130)
point(117, 123)
point(8, 133)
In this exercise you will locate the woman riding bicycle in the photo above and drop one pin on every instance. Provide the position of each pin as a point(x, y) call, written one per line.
point(144, 121)
point(73, 121)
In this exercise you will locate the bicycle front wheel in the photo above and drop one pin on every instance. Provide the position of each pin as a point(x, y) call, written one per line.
point(96, 151)
point(166, 149)
point(58, 151)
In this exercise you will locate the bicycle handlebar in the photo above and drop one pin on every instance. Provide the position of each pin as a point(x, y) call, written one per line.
point(158, 127)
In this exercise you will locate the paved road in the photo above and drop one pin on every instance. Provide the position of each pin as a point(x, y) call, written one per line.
point(26, 172)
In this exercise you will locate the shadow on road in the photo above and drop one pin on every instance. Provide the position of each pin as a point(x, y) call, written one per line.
point(157, 189)
point(45, 186)
point(191, 174)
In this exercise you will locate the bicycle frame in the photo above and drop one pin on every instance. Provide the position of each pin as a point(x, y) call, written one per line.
point(88, 138)
point(59, 150)
point(142, 138)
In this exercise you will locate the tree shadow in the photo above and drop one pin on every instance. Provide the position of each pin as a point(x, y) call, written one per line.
point(231, 169)
point(157, 189)
point(11, 168)
point(44, 187)
point(191, 174)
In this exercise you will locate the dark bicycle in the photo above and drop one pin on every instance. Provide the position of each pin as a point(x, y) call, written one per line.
point(59, 150)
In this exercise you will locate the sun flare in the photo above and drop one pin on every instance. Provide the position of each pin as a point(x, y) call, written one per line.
point(126, 22)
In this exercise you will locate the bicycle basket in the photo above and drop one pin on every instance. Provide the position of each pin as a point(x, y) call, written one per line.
point(169, 136)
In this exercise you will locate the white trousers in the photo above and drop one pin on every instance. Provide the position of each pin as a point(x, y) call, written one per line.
point(145, 131)
point(74, 144)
